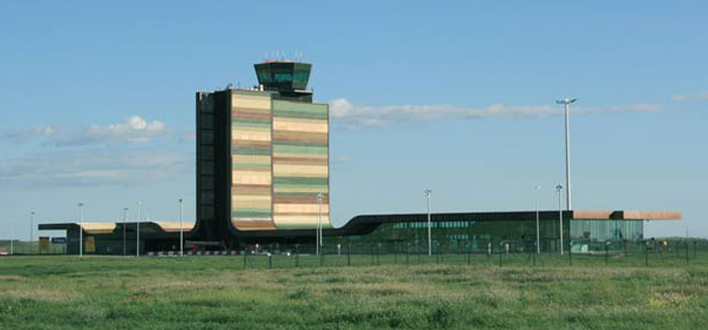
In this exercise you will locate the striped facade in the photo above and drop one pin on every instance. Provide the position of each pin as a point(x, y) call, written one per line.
point(300, 164)
point(251, 162)
point(279, 162)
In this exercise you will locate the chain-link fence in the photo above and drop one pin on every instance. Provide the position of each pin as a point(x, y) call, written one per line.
point(640, 253)
point(649, 253)
point(18, 247)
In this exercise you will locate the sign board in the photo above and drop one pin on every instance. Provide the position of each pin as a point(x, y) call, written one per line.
point(58, 240)
point(90, 245)
point(44, 244)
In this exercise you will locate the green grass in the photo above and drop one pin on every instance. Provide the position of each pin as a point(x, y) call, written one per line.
point(66, 292)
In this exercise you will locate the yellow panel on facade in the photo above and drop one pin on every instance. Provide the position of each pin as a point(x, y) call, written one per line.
point(250, 203)
point(300, 208)
point(294, 155)
point(251, 135)
point(240, 101)
point(300, 125)
point(90, 244)
point(248, 159)
point(251, 177)
point(280, 169)
point(279, 189)
point(251, 197)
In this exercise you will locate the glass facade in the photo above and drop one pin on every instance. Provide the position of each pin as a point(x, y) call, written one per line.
point(493, 236)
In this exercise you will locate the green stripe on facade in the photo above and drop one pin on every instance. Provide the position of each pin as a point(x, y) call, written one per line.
point(251, 151)
point(299, 107)
point(301, 144)
point(300, 149)
point(238, 165)
point(251, 124)
point(310, 194)
point(300, 186)
point(300, 114)
point(300, 180)
point(251, 214)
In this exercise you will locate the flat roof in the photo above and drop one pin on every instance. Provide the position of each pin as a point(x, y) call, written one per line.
point(364, 224)
point(110, 227)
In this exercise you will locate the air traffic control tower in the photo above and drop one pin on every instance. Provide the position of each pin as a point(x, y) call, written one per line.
point(262, 157)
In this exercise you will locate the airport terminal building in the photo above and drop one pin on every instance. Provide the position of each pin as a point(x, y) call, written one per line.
point(262, 179)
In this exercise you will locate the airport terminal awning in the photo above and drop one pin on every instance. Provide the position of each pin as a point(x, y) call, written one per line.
point(107, 228)
point(364, 224)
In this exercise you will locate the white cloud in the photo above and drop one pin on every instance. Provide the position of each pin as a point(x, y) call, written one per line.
point(94, 168)
point(353, 116)
point(691, 97)
point(31, 132)
point(133, 129)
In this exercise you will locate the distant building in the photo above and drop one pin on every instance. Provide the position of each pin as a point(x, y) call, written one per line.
point(263, 181)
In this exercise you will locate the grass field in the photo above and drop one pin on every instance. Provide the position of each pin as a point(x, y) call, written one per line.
point(65, 292)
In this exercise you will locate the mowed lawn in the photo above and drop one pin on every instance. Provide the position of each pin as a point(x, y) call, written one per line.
point(65, 292)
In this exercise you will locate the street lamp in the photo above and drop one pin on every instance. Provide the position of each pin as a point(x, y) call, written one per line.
point(31, 231)
point(560, 216)
point(125, 220)
point(538, 225)
point(320, 198)
point(567, 102)
point(81, 229)
point(181, 228)
point(428, 192)
point(137, 230)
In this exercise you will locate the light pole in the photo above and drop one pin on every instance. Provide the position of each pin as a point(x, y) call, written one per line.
point(428, 192)
point(567, 102)
point(81, 229)
point(31, 231)
point(125, 220)
point(560, 216)
point(538, 225)
point(320, 198)
point(181, 228)
point(137, 229)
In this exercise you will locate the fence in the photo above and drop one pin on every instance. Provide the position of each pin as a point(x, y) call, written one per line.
point(647, 253)
point(634, 254)
point(17, 247)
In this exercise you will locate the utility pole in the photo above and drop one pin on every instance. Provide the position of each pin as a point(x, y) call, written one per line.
point(81, 229)
point(429, 192)
point(538, 224)
point(320, 198)
point(181, 228)
point(137, 230)
point(31, 229)
point(125, 220)
point(567, 102)
point(559, 188)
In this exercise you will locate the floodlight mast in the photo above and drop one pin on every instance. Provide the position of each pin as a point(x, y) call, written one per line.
point(538, 225)
point(429, 192)
point(31, 230)
point(318, 230)
point(125, 220)
point(137, 229)
point(559, 188)
point(81, 229)
point(181, 228)
point(568, 197)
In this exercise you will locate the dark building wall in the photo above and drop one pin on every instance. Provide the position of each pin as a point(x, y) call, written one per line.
point(213, 165)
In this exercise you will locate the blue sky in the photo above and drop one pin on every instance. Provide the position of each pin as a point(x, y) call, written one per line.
point(98, 102)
